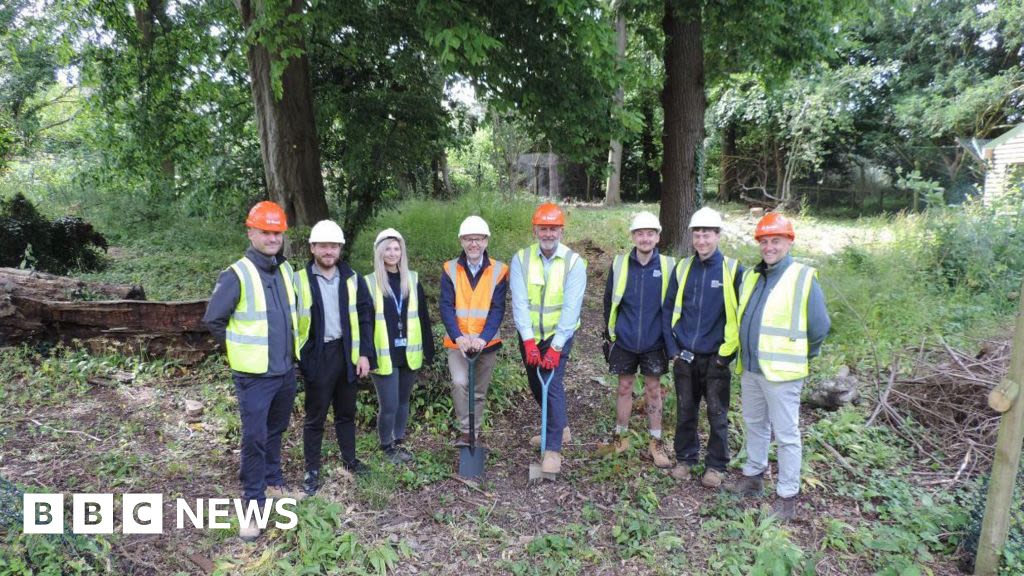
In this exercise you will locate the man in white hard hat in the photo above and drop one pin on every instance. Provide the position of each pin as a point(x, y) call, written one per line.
point(701, 334)
point(336, 328)
point(473, 289)
point(633, 297)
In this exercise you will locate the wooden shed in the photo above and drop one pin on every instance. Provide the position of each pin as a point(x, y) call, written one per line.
point(1001, 155)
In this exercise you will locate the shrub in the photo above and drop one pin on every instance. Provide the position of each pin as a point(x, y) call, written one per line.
point(65, 244)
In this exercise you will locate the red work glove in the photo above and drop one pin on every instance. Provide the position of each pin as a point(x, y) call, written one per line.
point(551, 359)
point(532, 353)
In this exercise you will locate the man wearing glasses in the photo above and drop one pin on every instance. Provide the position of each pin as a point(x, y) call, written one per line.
point(473, 288)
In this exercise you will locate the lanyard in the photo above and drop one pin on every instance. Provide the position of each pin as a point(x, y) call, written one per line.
point(398, 306)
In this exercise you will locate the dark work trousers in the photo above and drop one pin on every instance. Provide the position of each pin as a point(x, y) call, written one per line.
point(330, 387)
point(265, 404)
point(393, 393)
point(702, 378)
point(557, 419)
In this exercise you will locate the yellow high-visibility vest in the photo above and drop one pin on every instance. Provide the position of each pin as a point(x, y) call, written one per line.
point(732, 326)
point(248, 331)
point(414, 333)
point(546, 293)
point(782, 344)
point(305, 309)
point(620, 273)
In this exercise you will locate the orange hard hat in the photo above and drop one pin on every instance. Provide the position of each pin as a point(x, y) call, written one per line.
point(772, 224)
point(548, 214)
point(267, 216)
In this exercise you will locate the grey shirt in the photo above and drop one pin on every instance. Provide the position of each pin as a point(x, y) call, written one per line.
point(225, 298)
point(818, 322)
point(329, 293)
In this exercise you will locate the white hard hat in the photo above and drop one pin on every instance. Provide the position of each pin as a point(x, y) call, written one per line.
point(388, 233)
point(474, 225)
point(645, 221)
point(326, 231)
point(706, 217)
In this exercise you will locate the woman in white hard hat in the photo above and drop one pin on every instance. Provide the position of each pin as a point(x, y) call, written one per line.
point(402, 338)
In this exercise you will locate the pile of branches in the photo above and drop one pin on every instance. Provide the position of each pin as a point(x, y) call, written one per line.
point(940, 406)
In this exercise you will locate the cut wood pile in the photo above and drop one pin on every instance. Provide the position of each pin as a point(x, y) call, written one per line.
point(941, 408)
point(36, 307)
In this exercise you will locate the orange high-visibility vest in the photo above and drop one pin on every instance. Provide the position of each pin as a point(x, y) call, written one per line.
point(472, 305)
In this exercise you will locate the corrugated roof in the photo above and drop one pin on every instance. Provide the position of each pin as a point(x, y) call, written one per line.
point(1008, 135)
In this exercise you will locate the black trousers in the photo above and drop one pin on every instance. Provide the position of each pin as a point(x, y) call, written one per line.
point(702, 378)
point(330, 388)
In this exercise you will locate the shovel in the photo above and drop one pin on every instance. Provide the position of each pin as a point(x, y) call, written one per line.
point(535, 467)
point(472, 458)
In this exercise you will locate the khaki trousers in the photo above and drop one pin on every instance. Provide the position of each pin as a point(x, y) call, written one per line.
point(458, 365)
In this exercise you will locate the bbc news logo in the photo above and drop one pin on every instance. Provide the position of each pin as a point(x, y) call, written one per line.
point(144, 513)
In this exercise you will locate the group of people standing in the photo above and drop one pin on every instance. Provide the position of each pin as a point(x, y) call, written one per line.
point(698, 313)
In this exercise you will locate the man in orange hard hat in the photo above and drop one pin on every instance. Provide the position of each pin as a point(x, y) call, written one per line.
point(783, 322)
point(253, 313)
point(548, 280)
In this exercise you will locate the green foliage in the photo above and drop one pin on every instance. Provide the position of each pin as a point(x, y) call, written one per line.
point(754, 543)
point(53, 555)
point(65, 244)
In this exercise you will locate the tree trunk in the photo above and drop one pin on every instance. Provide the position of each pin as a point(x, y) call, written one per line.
point(288, 140)
point(159, 96)
point(683, 101)
point(728, 187)
point(613, 196)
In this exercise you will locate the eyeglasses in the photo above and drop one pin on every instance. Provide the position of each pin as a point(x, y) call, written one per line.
point(474, 239)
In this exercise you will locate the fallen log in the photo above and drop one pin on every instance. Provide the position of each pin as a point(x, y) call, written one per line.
point(38, 307)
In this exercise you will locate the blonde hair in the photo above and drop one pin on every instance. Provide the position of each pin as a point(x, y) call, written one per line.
point(381, 273)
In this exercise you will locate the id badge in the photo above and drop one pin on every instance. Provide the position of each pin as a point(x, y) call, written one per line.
point(401, 342)
point(686, 356)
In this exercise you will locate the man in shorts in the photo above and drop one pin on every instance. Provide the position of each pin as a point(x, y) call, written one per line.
point(633, 296)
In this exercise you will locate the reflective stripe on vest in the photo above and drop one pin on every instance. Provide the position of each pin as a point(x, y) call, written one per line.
point(546, 304)
point(782, 344)
point(473, 304)
point(619, 278)
point(247, 338)
point(732, 325)
point(413, 333)
point(304, 293)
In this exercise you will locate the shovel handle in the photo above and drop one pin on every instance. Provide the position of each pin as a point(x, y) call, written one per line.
point(471, 397)
point(544, 384)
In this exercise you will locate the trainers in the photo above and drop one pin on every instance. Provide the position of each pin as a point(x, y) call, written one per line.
point(746, 486)
point(566, 438)
point(248, 530)
point(681, 471)
point(283, 491)
point(552, 463)
point(392, 454)
point(356, 467)
point(403, 453)
point(786, 509)
point(712, 478)
point(311, 483)
point(661, 460)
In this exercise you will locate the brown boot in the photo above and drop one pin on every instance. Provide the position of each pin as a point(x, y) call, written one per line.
point(566, 438)
point(746, 486)
point(615, 445)
point(552, 463)
point(661, 460)
point(681, 471)
point(712, 478)
point(248, 530)
point(282, 491)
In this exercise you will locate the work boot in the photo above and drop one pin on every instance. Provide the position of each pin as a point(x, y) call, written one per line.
point(712, 478)
point(282, 491)
point(566, 438)
point(461, 440)
point(311, 483)
point(661, 460)
point(617, 445)
point(786, 509)
point(356, 467)
point(746, 486)
point(681, 471)
point(552, 463)
point(248, 530)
